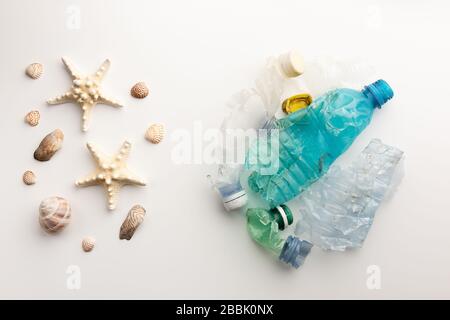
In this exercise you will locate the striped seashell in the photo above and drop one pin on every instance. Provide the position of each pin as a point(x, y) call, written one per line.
point(34, 70)
point(32, 118)
point(132, 221)
point(155, 133)
point(139, 90)
point(88, 244)
point(29, 177)
point(54, 214)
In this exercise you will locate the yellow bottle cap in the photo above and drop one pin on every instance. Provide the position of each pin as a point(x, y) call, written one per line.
point(297, 102)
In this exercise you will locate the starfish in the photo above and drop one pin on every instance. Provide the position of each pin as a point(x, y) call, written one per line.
point(85, 91)
point(111, 172)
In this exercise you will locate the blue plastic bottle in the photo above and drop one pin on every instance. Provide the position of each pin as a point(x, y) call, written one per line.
point(311, 139)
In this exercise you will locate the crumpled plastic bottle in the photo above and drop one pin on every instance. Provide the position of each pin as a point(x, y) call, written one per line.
point(252, 109)
point(264, 227)
point(337, 211)
point(309, 140)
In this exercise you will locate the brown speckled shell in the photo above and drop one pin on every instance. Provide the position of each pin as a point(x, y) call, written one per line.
point(32, 118)
point(139, 90)
point(155, 133)
point(29, 177)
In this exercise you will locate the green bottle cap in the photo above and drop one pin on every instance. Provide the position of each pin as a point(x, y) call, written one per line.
point(282, 215)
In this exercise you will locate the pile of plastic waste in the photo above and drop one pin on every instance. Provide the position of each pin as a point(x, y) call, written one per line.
point(296, 120)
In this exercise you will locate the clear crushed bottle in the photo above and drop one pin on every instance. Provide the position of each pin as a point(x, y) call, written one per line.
point(337, 211)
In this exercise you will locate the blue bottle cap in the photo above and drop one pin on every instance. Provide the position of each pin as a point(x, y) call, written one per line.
point(380, 91)
point(295, 251)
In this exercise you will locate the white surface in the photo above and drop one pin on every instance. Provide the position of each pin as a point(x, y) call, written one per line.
point(193, 55)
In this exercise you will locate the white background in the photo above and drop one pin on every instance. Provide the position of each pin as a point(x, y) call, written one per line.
point(193, 55)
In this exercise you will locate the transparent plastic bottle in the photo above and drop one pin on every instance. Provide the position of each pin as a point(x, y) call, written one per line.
point(311, 139)
point(264, 227)
point(337, 211)
point(253, 109)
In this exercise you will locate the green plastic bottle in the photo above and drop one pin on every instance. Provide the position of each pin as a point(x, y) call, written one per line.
point(264, 227)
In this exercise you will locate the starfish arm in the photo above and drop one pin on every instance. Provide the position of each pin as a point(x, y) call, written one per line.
point(87, 108)
point(101, 71)
point(111, 102)
point(90, 180)
point(128, 177)
point(64, 98)
point(71, 68)
point(112, 190)
point(124, 152)
point(96, 154)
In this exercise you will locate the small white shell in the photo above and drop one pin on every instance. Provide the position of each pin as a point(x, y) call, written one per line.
point(88, 244)
point(155, 133)
point(132, 221)
point(32, 118)
point(139, 90)
point(54, 214)
point(29, 177)
point(34, 70)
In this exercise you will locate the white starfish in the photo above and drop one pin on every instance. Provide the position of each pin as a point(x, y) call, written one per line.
point(85, 90)
point(112, 173)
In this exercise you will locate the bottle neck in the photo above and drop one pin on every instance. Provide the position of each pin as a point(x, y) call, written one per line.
point(378, 93)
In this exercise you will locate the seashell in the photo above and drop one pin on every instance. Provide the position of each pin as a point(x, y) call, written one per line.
point(132, 221)
point(29, 177)
point(49, 145)
point(155, 133)
point(32, 118)
point(34, 70)
point(54, 214)
point(139, 90)
point(88, 244)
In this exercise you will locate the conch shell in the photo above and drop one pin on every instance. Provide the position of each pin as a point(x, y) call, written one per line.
point(54, 214)
point(132, 221)
point(49, 145)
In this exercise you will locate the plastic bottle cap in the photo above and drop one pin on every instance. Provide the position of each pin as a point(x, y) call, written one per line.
point(292, 63)
point(381, 92)
point(235, 200)
point(283, 216)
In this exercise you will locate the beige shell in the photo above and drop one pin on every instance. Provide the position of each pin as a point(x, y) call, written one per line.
point(29, 177)
point(132, 221)
point(155, 133)
point(49, 145)
point(34, 70)
point(88, 244)
point(32, 118)
point(54, 214)
point(139, 90)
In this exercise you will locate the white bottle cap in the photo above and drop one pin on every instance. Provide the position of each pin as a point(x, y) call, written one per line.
point(292, 63)
point(235, 201)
